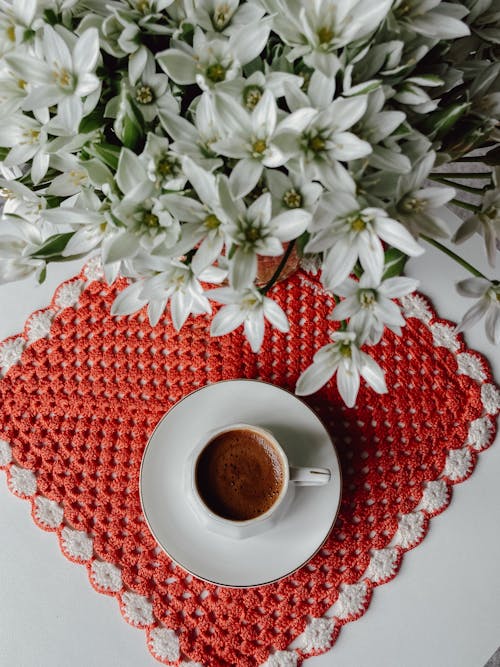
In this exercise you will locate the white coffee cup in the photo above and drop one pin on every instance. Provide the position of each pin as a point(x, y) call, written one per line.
point(291, 476)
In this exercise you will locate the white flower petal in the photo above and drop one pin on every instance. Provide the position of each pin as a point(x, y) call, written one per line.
point(291, 224)
point(395, 234)
point(179, 66)
point(348, 383)
point(244, 177)
point(276, 315)
point(228, 318)
point(314, 377)
point(254, 328)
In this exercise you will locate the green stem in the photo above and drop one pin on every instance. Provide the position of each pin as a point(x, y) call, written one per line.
point(466, 205)
point(453, 255)
point(459, 186)
point(281, 266)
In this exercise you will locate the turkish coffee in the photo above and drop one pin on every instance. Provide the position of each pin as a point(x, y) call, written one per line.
point(239, 474)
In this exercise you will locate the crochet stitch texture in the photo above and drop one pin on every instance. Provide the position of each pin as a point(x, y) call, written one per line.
point(82, 391)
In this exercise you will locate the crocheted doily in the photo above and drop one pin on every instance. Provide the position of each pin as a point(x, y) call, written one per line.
point(81, 391)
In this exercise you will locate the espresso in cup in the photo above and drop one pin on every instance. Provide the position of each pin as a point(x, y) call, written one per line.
point(240, 474)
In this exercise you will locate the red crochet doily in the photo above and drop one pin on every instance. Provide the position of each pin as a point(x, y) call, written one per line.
point(82, 391)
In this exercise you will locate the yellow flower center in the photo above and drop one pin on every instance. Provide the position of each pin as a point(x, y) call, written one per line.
point(358, 224)
point(367, 298)
point(144, 94)
point(62, 77)
point(252, 96)
point(252, 234)
point(292, 199)
point(317, 144)
point(325, 35)
point(143, 6)
point(30, 137)
point(150, 220)
point(216, 72)
point(211, 222)
point(259, 146)
point(345, 350)
point(21, 83)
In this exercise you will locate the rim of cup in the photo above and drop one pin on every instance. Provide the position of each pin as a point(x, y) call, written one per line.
point(208, 439)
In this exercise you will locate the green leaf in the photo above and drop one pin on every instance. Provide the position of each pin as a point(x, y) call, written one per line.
point(108, 153)
point(90, 123)
point(440, 122)
point(43, 275)
point(394, 265)
point(53, 246)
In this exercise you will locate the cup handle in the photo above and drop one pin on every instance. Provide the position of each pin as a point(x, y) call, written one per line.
point(309, 476)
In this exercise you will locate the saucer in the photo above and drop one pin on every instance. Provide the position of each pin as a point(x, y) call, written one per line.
point(221, 560)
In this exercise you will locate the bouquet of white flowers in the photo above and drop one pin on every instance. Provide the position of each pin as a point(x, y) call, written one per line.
point(184, 140)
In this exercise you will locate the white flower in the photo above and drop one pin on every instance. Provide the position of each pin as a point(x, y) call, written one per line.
point(151, 92)
point(290, 192)
point(255, 231)
point(488, 305)
point(419, 208)
point(432, 18)
point(369, 305)
point(376, 127)
point(18, 252)
point(486, 222)
point(16, 18)
point(195, 139)
point(203, 219)
point(248, 307)
point(163, 165)
point(344, 358)
point(316, 29)
point(210, 61)
point(324, 142)
point(59, 76)
point(27, 140)
point(223, 16)
point(254, 140)
point(174, 283)
point(346, 233)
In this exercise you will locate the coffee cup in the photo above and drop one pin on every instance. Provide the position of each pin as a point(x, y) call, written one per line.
point(239, 480)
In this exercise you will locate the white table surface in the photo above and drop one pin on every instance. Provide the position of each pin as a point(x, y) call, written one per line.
point(441, 610)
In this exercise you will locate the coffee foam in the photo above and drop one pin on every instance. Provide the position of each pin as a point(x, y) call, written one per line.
point(240, 474)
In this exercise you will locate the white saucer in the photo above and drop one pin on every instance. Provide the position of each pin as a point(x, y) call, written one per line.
point(225, 561)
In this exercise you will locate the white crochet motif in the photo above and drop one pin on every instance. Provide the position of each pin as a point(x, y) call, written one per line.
point(22, 481)
point(5, 453)
point(93, 269)
point(318, 634)
point(106, 576)
point(10, 352)
point(138, 609)
point(382, 564)
point(415, 306)
point(410, 529)
point(470, 365)
point(48, 512)
point(164, 644)
point(351, 600)
point(490, 396)
point(444, 336)
point(458, 464)
point(76, 544)
point(39, 325)
point(435, 496)
point(480, 433)
point(281, 659)
point(69, 293)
